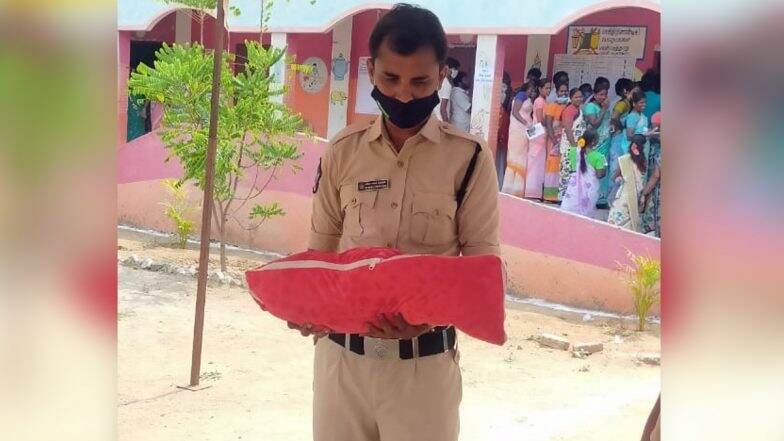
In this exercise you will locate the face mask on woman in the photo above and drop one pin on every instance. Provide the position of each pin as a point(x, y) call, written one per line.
point(562, 100)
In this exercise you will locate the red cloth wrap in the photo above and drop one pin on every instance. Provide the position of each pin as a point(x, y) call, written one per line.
point(467, 292)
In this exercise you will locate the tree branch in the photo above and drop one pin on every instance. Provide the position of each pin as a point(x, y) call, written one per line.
point(259, 190)
point(237, 174)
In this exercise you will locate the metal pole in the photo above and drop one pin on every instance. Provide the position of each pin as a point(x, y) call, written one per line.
point(206, 213)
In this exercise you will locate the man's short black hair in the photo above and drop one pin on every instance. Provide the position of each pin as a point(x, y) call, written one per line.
point(451, 62)
point(557, 78)
point(534, 72)
point(406, 29)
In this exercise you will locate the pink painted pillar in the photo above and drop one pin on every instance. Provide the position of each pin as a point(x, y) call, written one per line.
point(123, 72)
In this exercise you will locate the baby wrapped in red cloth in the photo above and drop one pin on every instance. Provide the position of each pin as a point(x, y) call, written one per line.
point(345, 291)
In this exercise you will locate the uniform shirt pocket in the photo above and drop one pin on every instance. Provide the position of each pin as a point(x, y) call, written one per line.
point(433, 219)
point(357, 210)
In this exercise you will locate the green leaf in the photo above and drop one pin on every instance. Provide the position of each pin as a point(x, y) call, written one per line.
point(264, 212)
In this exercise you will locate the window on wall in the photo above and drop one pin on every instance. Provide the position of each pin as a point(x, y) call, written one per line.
point(241, 56)
point(140, 113)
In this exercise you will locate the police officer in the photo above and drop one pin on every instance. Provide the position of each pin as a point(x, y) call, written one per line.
point(408, 181)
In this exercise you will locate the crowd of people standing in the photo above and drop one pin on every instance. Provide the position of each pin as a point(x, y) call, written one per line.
point(573, 147)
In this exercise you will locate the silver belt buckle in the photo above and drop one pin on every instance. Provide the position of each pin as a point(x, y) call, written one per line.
point(382, 348)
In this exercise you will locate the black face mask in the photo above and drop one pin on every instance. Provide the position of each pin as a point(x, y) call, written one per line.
point(405, 115)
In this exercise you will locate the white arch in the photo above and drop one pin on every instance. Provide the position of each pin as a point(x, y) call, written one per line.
point(651, 5)
point(604, 6)
point(169, 10)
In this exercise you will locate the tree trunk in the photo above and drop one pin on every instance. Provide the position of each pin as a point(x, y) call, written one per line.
point(223, 260)
point(206, 213)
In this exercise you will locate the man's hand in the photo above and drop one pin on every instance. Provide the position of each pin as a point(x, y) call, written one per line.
point(395, 327)
point(307, 329)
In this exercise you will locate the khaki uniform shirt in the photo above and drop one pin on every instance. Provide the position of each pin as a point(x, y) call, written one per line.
point(367, 194)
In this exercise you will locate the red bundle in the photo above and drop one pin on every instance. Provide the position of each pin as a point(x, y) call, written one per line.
point(345, 291)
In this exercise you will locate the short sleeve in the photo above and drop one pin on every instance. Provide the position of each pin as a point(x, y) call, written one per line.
point(591, 109)
point(445, 92)
point(632, 119)
point(326, 224)
point(597, 160)
point(478, 218)
point(569, 113)
point(551, 110)
point(620, 107)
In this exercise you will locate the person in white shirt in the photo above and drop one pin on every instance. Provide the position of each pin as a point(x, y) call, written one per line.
point(445, 92)
point(460, 103)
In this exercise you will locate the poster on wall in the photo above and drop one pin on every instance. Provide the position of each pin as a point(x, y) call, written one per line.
point(586, 68)
point(365, 103)
point(615, 41)
point(316, 79)
point(537, 53)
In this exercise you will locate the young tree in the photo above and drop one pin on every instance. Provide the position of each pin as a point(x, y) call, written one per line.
point(256, 136)
point(643, 277)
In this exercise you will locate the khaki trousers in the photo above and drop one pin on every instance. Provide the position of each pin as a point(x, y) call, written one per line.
point(379, 397)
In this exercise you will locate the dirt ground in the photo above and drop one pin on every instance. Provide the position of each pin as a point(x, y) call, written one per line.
point(257, 374)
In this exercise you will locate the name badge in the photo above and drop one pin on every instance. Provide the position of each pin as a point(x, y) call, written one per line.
point(378, 184)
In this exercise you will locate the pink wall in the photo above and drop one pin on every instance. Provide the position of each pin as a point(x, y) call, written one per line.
point(524, 224)
point(621, 16)
point(514, 61)
point(550, 254)
point(313, 107)
point(123, 72)
point(362, 26)
point(163, 30)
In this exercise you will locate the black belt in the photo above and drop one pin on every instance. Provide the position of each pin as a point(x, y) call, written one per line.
point(437, 341)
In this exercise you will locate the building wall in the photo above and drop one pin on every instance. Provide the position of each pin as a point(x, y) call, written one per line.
point(550, 254)
point(314, 108)
point(362, 27)
point(514, 57)
point(621, 16)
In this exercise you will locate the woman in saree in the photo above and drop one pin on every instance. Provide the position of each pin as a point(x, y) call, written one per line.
point(617, 135)
point(517, 144)
point(537, 147)
point(554, 125)
point(503, 127)
point(573, 128)
point(651, 194)
point(636, 123)
point(622, 105)
point(598, 113)
point(588, 166)
point(626, 208)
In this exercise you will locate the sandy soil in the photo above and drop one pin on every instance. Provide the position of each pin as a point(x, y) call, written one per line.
point(257, 374)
